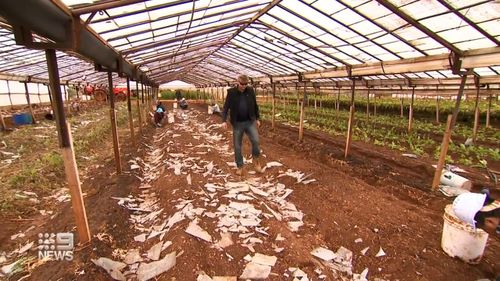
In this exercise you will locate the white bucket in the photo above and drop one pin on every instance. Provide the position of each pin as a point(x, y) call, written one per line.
point(175, 105)
point(171, 118)
point(461, 240)
point(210, 110)
point(450, 179)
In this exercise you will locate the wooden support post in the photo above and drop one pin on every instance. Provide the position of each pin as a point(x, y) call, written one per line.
point(116, 145)
point(459, 98)
point(129, 108)
point(476, 115)
point(302, 109)
point(139, 111)
point(29, 101)
point(66, 144)
point(488, 111)
point(442, 155)
point(374, 105)
point(273, 85)
point(349, 131)
point(410, 113)
point(4, 127)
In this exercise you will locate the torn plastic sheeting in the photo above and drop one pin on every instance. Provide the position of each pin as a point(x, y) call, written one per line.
point(255, 271)
point(113, 268)
point(155, 251)
point(195, 230)
point(264, 259)
point(148, 271)
point(294, 225)
point(324, 254)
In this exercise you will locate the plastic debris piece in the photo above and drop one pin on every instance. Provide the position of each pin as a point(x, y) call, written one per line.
point(133, 256)
point(255, 271)
point(380, 253)
point(264, 259)
point(155, 251)
point(195, 230)
point(363, 252)
point(359, 240)
point(148, 271)
point(324, 254)
point(113, 268)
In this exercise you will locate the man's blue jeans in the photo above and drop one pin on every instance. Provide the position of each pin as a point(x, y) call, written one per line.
point(250, 128)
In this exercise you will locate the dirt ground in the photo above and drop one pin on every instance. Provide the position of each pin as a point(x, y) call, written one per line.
point(376, 195)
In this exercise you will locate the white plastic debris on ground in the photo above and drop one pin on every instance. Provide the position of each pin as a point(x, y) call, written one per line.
point(237, 209)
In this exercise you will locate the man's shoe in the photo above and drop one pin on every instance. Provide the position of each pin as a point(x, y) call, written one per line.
point(257, 165)
point(239, 171)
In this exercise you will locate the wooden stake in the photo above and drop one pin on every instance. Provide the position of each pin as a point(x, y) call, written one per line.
point(488, 111)
point(66, 144)
point(349, 131)
point(301, 122)
point(410, 114)
point(274, 105)
point(138, 107)
point(129, 107)
point(442, 155)
point(112, 113)
point(29, 102)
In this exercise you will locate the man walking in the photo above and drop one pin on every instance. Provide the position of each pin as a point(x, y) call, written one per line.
point(244, 117)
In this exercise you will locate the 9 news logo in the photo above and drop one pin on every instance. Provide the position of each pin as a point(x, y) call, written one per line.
point(56, 246)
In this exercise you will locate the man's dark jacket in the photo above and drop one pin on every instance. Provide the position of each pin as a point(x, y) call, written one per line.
point(232, 101)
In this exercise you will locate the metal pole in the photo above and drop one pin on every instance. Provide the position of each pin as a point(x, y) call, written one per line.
point(112, 113)
point(10, 98)
point(274, 105)
point(138, 107)
point(302, 108)
point(66, 145)
point(29, 101)
point(476, 115)
point(459, 98)
point(129, 108)
point(410, 114)
point(488, 111)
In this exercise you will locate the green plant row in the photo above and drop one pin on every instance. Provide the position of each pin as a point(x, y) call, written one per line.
point(423, 108)
point(392, 132)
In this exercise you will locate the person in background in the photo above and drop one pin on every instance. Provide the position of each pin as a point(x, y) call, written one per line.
point(215, 108)
point(241, 104)
point(159, 113)
point(479, 210)
point(183, 104)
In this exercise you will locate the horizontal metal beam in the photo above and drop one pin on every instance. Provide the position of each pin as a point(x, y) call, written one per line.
point(62, 28)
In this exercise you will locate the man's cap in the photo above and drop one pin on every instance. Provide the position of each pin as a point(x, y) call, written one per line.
point(466, 206)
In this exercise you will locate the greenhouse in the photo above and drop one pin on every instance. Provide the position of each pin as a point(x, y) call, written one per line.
point(371, 149)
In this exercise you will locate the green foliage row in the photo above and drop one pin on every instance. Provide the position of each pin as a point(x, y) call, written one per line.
point(187, 94)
